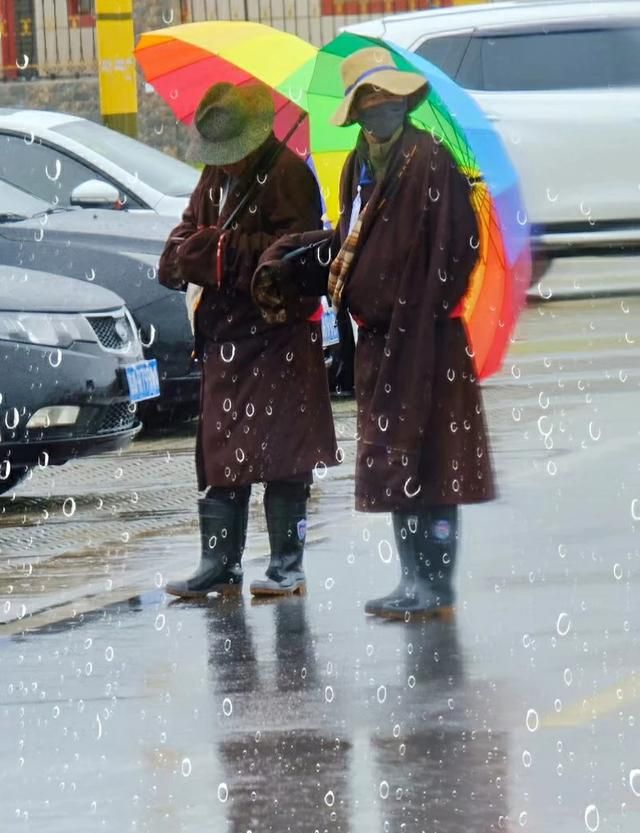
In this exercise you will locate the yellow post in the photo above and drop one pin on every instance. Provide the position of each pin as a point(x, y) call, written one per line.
point(116, 65)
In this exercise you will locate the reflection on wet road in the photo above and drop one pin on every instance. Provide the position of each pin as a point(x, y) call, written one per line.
point(121, 711)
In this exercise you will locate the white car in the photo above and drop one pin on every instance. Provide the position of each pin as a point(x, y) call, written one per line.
point(561, 83)
point(67, 160)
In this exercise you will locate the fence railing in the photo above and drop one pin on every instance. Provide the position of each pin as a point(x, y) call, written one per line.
point(57, 38)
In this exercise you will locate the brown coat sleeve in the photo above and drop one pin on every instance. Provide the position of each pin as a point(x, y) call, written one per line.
point(189, 253)
point(292, 205)
point(456, 223)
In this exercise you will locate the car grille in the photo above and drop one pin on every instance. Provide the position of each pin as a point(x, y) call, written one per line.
point(114, 332)
point(117, 417)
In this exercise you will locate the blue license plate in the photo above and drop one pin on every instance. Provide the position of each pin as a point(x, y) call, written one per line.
point(330, 335)
point(143, 380)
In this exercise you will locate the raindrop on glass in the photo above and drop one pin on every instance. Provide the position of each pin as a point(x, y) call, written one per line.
point(563, 624)
point(532, 721)
point(592, 818)
point(385, 551)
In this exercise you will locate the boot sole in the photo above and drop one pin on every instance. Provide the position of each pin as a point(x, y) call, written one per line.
point(223, 590)
point(300, 590)
point(442, 614)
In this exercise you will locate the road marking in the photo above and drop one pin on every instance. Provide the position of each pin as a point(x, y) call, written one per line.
point(596, 707)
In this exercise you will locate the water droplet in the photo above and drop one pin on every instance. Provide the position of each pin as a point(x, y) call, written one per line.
point(385, 551)
point(635, 509)
point(329, 583)
point(617, 571)
point(592, 818)
point(320, 469)
point(381, 693)
point(329, 799)
point(227, 707)
point(68, 507)
point(532, 721)
point(108, 653)
point(227, 352)
point(185, 767)
point(223, 792)
point(57, 170)
point(11, 420)
point(160, 621)
point(328, 694)
point(55, 358)
point(526, 758)
point(634, 782)
point(383, 789)
point(22, 63)
point(411, 489)
point(563, 624)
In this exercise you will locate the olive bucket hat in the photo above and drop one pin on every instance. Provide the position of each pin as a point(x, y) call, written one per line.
point(230, 123)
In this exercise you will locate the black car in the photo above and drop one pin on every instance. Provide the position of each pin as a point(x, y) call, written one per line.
point(70, 365)
point(117, 250)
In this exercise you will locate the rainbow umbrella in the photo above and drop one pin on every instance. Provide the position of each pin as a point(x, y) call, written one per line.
point(498, 285)
point(182, 62)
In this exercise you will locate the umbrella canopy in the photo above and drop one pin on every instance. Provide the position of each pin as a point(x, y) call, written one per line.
point(499, 282)
point(182, 62)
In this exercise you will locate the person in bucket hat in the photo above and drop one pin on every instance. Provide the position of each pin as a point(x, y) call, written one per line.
point(230, 123)
point(373, 72)
point(400, 262)
point(265, 414)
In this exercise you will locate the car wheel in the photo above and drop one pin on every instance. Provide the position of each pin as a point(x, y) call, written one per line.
point(14, 475)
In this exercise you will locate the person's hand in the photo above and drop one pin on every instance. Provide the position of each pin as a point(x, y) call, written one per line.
point(273, 290)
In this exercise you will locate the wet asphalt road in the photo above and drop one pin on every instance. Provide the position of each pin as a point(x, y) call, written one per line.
point(120, 711)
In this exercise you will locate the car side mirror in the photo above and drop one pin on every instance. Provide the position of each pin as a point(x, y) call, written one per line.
point(95, 194)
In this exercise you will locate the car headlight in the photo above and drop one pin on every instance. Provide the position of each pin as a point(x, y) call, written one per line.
point(46, 329)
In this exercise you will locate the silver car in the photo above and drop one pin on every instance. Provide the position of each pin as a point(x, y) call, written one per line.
point(561, 83)
point(67, 160)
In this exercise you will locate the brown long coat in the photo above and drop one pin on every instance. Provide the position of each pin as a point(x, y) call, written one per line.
point(422, 439)
point(265, 408)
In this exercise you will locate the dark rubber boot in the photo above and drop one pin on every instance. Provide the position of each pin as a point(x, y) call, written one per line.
point(427, 545)
point(286, 511)
point(223, 530)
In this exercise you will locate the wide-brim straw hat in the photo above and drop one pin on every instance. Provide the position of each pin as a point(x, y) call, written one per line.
point(230, 123)
point(374, 67)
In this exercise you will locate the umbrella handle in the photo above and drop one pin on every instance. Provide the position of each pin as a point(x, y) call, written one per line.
point(303, 250)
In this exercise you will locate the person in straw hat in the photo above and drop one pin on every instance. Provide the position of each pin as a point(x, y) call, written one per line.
point(265, 414)
point(400, 262)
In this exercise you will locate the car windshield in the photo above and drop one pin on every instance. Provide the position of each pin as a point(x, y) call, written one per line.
point(150, 166)
point(16, 204)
